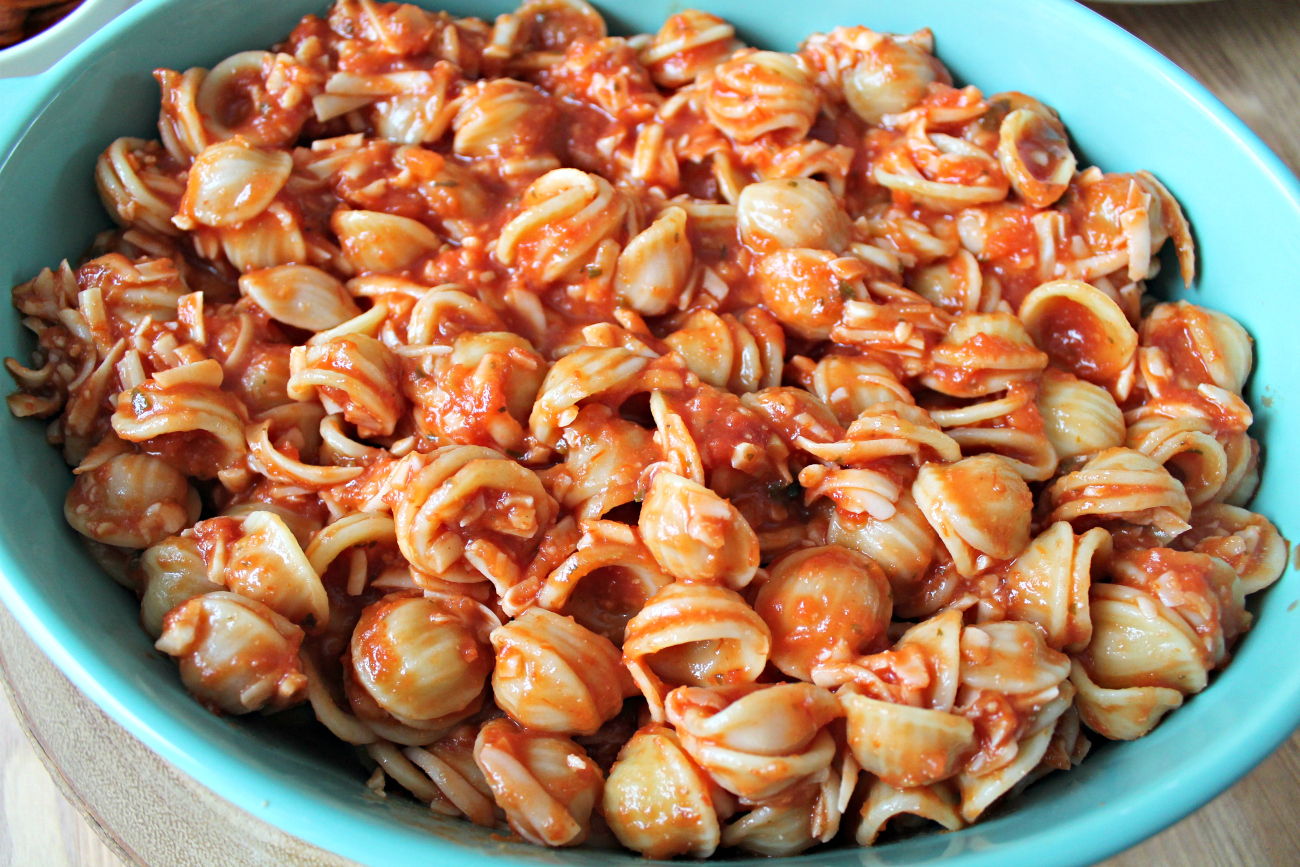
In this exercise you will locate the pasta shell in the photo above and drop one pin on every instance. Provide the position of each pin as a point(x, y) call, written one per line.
point(266, 565)
point(380, 243)
point(822, 604)
point(131, 501)
point(688, 44)
point(1079, 418)
point(300, 295)
point(791, 213)
point(174, 573)
point(1123, 714)
point(231, 183)
point(1035, 157)
point(1138, 641)
point(1048, 583)
point(547, 785)
point(758, 92)
point(695, 535)
point(213, 637)
point(938, 803)
point(694, 635)
point(978, 506)
point(553, 675)
point(756, 742)
point(657, 801)
point(1082, 330)
point(905, 746)
point(654, 267)
point(417, 659)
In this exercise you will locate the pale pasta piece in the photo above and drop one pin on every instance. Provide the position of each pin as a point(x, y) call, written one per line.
point(1125, 485)
point(1137, 641)
point(902, 545)
point(694, 635)
point(133, 189)
point(1121, 714)
point(422, 661)
point(489, 125)
point(739, 354)
point(130, 501)
point(657, 801)
point(174, 572)
point(604, 456)
point(1200, 346)
point(983, 353)
point(379, 243)
point(756, 741)
point(791, 213)
point(1035, 155)
point(300, 295)
point(235, 655)
point(807, 288)
point(1010, 426)
point(979, 506)
point(462, 789)
point(481, 392)
point(938, 803)
point(1187, 447)
point(760, 92)
point(184, 408)
point(566, 214)
point(585, 373)
point(923, 669)
point(979, 791)
point(231, 183)
point(1204, 590)
point(1082, 330)
point(1010, 657)
point(1079, 418)
point(822, 605)
point(350, 374)
point(552, 675)
point(654, 267)
point(905, 746)
point(878, 74)
point(605, 582)
point(1242, 478)
point(547, 785)
point(695, 535)
point(445, 526)
point(1048, 583)
point(792, 821)
point(688, 44)
point(272, 238)
point(850, 385)
point(955, 284)
point(1247, 542)
point(266, 565)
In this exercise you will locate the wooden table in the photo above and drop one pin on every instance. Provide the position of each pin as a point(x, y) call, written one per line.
point(1246, 51)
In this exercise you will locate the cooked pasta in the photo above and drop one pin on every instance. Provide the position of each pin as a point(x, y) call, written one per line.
point(718, 448)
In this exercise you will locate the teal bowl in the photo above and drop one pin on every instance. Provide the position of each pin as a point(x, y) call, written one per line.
point(1127, 108)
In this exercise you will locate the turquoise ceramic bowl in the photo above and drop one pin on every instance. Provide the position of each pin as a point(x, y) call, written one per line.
point(1127, 108)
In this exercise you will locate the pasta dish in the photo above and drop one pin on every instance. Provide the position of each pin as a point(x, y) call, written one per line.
point(655, 441)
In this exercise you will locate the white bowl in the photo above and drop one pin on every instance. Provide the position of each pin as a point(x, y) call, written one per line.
point(35, 55)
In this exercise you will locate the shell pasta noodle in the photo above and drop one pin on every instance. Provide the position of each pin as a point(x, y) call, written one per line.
point(652, 440)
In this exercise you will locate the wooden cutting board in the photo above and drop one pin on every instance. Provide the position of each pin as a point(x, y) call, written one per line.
point(107, 801)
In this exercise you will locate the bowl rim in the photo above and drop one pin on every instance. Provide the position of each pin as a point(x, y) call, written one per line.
point(1116, 824)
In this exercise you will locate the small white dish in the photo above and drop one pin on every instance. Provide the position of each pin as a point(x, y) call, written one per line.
point(35, 55)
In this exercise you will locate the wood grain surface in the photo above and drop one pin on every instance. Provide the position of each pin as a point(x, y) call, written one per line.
point(64, 765)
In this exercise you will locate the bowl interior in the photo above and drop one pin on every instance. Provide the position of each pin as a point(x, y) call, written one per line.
point(1126, 109)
